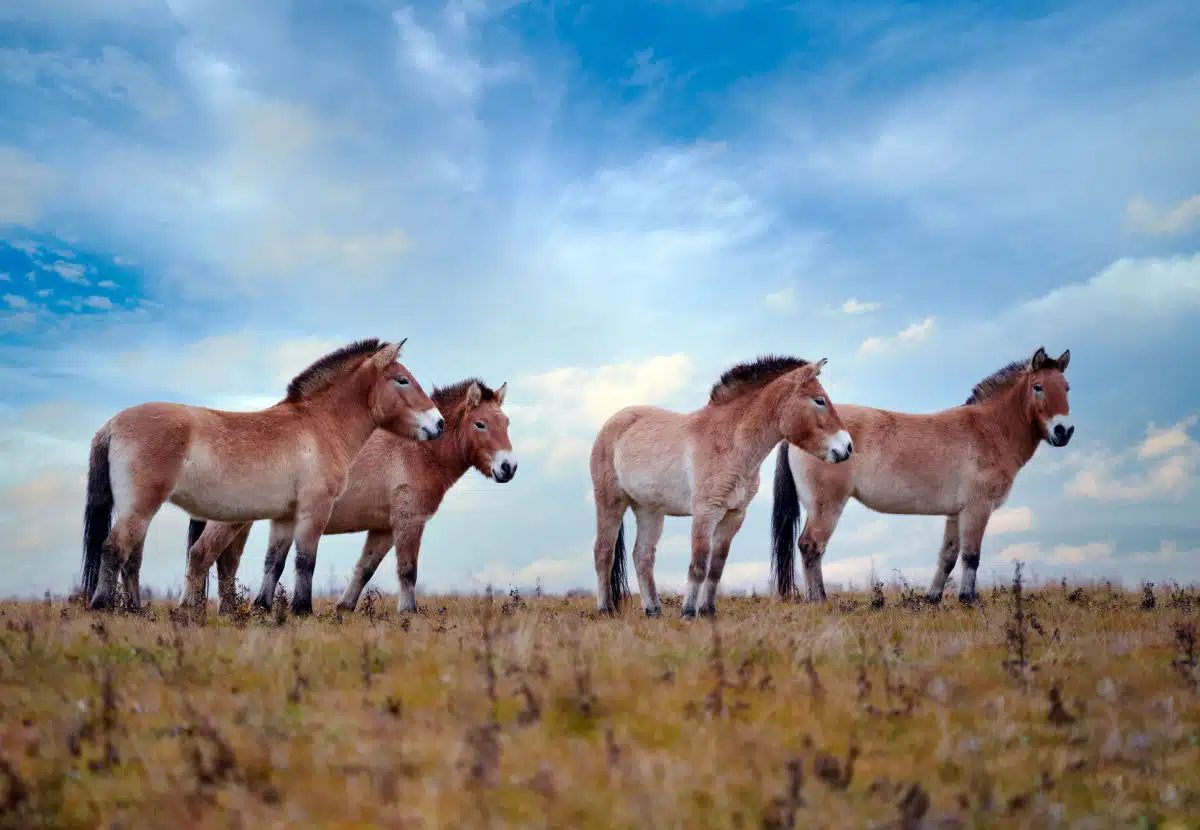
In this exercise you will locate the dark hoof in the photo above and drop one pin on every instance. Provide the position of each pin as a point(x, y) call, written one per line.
point(654, 613)
point(345, 608)
point(262, 603)
point(302, 608)
point(968, 599)
point(100, 603)
point(930, 599)
point(688, 614)
point(710, 611)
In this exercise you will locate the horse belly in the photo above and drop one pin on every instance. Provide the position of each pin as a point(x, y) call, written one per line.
point(891, 493)
point(245, 493)
point(665, 487)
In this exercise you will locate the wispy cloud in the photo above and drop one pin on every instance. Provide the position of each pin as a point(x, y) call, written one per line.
point(1144, 217)
point(909, 335)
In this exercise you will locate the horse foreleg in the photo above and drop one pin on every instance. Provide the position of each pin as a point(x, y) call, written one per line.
point(819, 525)
point(947, 557)
point(227, 568)
point(408, 547)
point(971, 527)
point(722, 537)
point(201, 555)
point(375, 548)
point(309, 528)
point(282, 533)
point(703, 525)
point(649, 531)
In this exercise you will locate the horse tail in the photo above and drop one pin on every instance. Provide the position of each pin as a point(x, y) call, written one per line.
point(618, 577)
point(97, 511)
point(195, 528)
point(785, 515)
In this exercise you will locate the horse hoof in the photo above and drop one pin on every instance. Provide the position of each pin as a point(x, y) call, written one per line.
point(968, 599)
point(933, 599)
point(261, 603)
point(688, 614)
point(345, 608)
point(708, 612)
point(654, 613)
point(302, 609)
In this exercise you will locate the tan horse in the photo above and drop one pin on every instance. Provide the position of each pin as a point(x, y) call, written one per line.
point(958, 463)
point(705, 465)
point(288, 462)
point(395, 487)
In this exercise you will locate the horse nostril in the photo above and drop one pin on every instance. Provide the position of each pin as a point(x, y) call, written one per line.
point(1059, 431)
point(849, 450)
point(441, 424)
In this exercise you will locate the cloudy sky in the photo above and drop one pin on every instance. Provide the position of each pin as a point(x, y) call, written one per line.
point(603, 204)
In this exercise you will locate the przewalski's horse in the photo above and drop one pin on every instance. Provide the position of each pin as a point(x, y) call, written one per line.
point(287, 463)
point(395, 487)
point(705, 465)
point(958, 463)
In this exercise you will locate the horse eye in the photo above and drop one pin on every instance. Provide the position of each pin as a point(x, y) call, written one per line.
point(1037, 387)
point(480, 425)
point(402, 381)
point(819, 401)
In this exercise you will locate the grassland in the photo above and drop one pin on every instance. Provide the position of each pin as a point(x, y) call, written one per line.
point(1076, 707)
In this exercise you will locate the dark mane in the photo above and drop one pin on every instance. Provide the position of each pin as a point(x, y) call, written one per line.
point(745, 376)
point(998, 381)
point(448, 397)
point(324, 371)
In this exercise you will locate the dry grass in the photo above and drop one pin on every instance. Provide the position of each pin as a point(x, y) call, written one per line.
point(534, 713)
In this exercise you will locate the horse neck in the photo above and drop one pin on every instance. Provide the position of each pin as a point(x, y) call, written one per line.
point(448, 457)
point(346, 406)
point(1013, 424)
point(754, 423)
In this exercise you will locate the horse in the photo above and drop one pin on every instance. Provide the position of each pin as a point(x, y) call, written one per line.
point(287, 462)
point(959, 463)
point(395, 487)
point(702, 464)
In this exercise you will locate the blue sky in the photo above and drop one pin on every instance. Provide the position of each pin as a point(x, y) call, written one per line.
point(606, 204)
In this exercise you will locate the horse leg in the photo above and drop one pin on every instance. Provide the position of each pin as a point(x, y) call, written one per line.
point(947, 556)
point(308, 535)
point(610, 512)
point(375, 548)
point(227, 568)
point(722, 537)
point(201, 555)
point(972, 523)
point(408, 548)
point(282, 533)
point(703, 525)
point(130, 576)
point(819, 525)
point(649, 531)
point(128, 534)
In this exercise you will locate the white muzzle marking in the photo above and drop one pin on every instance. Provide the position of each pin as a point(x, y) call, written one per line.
point(839, 446)
point(429, 424)
point(504, 465)
point(1058, 430)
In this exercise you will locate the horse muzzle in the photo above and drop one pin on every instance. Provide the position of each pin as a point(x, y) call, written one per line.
point(430, 425)
point(1058, 432)
point(504, 467)
point(840, 448)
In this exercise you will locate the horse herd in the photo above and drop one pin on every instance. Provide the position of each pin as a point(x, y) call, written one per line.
point(357, 445)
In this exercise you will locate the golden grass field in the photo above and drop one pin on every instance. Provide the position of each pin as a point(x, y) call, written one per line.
point(1081, 711)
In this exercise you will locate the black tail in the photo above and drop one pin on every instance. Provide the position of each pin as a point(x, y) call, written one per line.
point(97, 512)
point(785, 515)
point(195, 528)
point(618, 578)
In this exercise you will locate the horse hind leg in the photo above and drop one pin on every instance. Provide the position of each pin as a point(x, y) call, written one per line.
point(723, 535)
point(207, 548)
point(375, 548)
point(610, 514)
point(649, 531)
point(947, 557)
point(819, 525)
point(131, 577)
point(227, 568)
point(280, 542)
point(128, 535)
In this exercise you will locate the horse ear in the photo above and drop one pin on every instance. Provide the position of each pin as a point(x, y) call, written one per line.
point(1039, 359)
point(387, 354)
point(501, 392)
point(474, 394)
point(1063, 360)
point(819, 366)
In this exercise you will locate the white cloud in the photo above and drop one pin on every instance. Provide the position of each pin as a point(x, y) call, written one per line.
point(114, 75)
point(1143, 217)
point(18, 321)
point(100, 303)
point(5, 276)
point(553, 574)
point(915, 333)
point(1163, 467)
point(565, 407)
point(1091, 553)
point(1010, 520)
point(26, 185)
point(444, 59)
point(15, 301)
point(69, 271)
point(782, 300)
point(856, 306)
point(109, 284)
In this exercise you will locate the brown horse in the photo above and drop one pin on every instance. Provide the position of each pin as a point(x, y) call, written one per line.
point(705, 465)
point(958, 463)
point(395, 487)
point(288, 462)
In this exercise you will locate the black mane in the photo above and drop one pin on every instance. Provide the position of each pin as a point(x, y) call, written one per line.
point(745, 376)
point(322, 372)
point(448, 397)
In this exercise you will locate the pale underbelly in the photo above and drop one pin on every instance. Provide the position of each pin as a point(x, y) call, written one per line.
point(902, 499)
point(662, 491)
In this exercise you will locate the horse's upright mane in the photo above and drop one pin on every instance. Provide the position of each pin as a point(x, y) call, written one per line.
point(329, 368)
point(449, 398)
point(998, 381)
point(746, 376)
